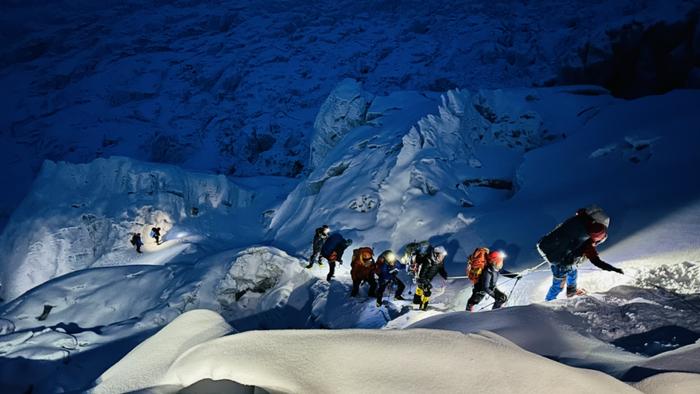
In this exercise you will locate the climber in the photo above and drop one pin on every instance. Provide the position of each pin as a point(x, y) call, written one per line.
point(487, 278)
point(569, 244)
point(332, 250)
point(155, 234)
point(137, 242)
point(426, 266)
point(387, 271)
point(362, 270)
point(320, 236)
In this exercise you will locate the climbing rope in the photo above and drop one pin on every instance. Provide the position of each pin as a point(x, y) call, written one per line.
point(517, 278)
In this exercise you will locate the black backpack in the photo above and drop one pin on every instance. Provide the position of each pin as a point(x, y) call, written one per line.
point(563, 244)
point(331, 244)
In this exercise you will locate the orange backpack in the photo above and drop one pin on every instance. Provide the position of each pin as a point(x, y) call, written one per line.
point(476, 263)
point(362, 256)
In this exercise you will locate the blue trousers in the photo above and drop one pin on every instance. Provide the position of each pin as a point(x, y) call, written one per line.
point(559, 274)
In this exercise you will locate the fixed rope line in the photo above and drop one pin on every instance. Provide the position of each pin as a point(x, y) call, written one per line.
point(517, 278)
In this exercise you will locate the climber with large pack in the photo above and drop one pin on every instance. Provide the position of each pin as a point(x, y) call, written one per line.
point(332, 250)
point(362, 270)
point(426, 266)
point(483, 270)
point(320, 236)
point(570, 243)
point(136, 241)
point(387, 272)
point(410, 251)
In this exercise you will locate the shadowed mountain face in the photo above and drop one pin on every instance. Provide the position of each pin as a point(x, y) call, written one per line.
point(235, 87)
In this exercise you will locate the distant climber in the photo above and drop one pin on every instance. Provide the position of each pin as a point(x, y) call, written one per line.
point(426, 266)
point(362, 270)
point(487, 278)
point(137, 242)
point(320, 236)
point(387, 271)
point(332, 250)
point(569, 244)
point(155, 234)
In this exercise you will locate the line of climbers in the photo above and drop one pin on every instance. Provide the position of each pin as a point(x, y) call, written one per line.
point(564, 248)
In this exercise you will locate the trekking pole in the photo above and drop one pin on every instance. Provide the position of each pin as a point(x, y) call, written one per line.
point(509, 294)
point(513, 288)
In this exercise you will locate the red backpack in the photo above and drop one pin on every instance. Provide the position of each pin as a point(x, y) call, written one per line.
point(476, 263)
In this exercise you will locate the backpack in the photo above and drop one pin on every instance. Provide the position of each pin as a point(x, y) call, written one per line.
point(562, 244)
point(153, 233)
point(362, 256)
point(419, 257)
point(331, 244)
point(476, 263)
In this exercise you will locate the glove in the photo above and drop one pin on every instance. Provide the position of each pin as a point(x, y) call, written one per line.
point(340, 261)
point(619, 271)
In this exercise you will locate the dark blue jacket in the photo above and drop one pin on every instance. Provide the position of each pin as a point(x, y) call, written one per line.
point(335, 243)
point(385, 272)
point(487, 281)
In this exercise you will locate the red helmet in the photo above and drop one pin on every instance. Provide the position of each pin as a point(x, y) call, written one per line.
point(496, 257)
point(597, 232)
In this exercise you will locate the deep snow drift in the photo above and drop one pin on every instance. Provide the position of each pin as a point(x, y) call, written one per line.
point(370, 361)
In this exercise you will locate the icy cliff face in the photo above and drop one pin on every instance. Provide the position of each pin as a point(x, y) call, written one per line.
point(82, 216)
point(344, 109)
point(420, 163)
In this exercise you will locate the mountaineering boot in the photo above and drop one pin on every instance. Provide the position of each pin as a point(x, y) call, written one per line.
point(573, 291)
point(310, 265)
point(379, 303)
point(424, 303)
point(399, 298)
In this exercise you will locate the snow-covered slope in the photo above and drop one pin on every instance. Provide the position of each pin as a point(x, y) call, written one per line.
point(234, 87)
point(488, 167)
point(370, 361)
point(501, 168)
point(99, 314)
point(82, 216)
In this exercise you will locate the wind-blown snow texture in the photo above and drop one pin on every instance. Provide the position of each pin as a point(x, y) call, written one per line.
point(235, 87)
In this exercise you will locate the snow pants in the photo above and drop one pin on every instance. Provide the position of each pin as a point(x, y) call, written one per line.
point(400, 286)
point(315, 258)
point(356, 286)
point(331, 270)
point(477, 296)
point(559, 275)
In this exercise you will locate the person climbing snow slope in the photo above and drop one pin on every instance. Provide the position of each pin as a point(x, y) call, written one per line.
point(569, 244)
